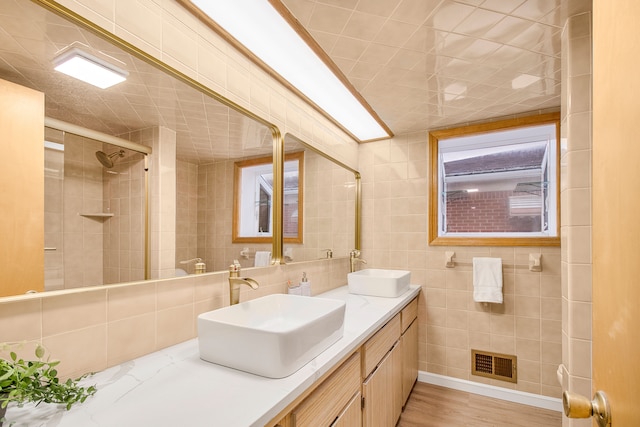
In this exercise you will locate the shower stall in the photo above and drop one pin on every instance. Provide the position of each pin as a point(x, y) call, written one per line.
point(95, 209)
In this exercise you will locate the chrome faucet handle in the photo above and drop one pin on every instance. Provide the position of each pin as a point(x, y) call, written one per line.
point(329, 253)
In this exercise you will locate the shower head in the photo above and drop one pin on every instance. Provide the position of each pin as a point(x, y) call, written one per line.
point(107, 160)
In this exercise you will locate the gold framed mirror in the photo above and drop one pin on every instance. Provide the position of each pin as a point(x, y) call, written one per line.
point(157, 104)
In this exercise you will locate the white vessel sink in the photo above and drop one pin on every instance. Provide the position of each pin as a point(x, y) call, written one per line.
point(272, 336)
point(378, 282)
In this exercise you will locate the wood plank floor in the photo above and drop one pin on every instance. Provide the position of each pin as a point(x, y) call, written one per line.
point(434, 406)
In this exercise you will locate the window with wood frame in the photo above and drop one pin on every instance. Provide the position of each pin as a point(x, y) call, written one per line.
point(496, 183)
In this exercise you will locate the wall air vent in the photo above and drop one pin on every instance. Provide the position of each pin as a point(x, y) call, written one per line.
point(494, 365)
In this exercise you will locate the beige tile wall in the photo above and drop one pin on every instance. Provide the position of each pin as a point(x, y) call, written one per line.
point(92, 250)
point(329, 207)
point(528, 324)
point(215, 217)
point(576, 202)
point(186, 214)
point(162, 197)
point(124, 196)
point(83, 245)
point(53, 212)
point(94, 328)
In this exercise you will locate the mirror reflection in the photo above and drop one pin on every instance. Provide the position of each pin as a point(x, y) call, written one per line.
point(330, 206)
point(253, 195)
point(205, 205)
point(93, 212)
point(195, 140)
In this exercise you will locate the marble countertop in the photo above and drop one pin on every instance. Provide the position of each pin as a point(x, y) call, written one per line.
point(173, 386)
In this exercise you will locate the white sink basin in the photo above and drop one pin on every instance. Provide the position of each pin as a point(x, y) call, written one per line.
point(379, 283)
point(272, 336)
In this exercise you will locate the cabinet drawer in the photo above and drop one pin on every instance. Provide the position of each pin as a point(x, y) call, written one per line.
point(327, 401)
point(378, 345)
point(409, 313)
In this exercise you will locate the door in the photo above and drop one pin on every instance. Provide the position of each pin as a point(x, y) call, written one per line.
point(616, 207)
point(22, 189)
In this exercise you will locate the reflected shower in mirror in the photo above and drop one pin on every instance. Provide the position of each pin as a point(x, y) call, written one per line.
point(94, 212)
point(331, 192)
point(192, 132)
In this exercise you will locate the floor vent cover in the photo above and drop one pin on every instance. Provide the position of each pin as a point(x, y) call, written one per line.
point(494, 365)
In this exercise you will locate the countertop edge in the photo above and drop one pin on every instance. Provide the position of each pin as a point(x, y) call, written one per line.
point(142, 391)
point(354, 344)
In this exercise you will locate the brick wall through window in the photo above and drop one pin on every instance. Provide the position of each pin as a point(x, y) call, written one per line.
point(486, 212)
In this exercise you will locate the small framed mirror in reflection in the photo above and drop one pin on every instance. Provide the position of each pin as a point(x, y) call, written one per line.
point(253, 199)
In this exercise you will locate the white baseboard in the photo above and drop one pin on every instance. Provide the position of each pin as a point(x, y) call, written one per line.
point(515, 396)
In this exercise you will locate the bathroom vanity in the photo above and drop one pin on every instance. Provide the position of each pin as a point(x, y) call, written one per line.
point(371, 387)
point(175, 387)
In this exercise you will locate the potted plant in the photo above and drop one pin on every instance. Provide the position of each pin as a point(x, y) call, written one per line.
point(37, 381)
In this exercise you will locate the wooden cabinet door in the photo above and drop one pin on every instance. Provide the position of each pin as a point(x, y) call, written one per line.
point(409, 342)
point(382, 391)
point(352, 414)
point(396, 383)
point(327, 401)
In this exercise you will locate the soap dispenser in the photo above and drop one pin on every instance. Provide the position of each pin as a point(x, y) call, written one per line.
point(293, 289)
point(305, 286)
point(200, 267)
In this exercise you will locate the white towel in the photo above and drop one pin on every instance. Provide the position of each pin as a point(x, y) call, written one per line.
point(263, 259)
point(487, 280)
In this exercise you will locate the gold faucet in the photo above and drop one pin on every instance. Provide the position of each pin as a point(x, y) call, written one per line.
point(235, 281)
point(354, 256)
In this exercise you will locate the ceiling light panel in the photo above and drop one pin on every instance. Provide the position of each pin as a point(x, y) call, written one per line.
point(86, 67)
point(262, 30)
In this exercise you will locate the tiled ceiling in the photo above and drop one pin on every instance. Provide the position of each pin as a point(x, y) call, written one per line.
point(424, 64)
point(421, 64)
point(206, 130)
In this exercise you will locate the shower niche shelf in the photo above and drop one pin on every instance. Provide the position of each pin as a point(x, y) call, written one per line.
point(96, 214)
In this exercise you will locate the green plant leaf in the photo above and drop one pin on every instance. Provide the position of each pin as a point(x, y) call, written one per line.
point(39, 351)
point(37, 381)
point(31, 370)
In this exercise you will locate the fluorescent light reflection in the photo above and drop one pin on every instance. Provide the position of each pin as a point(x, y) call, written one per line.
point(54, 145)
point(524, 80)
point(455, 91)
point(89, 69)
point(261, 29)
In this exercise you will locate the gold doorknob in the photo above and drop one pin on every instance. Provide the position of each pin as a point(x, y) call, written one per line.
point(577, 406)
